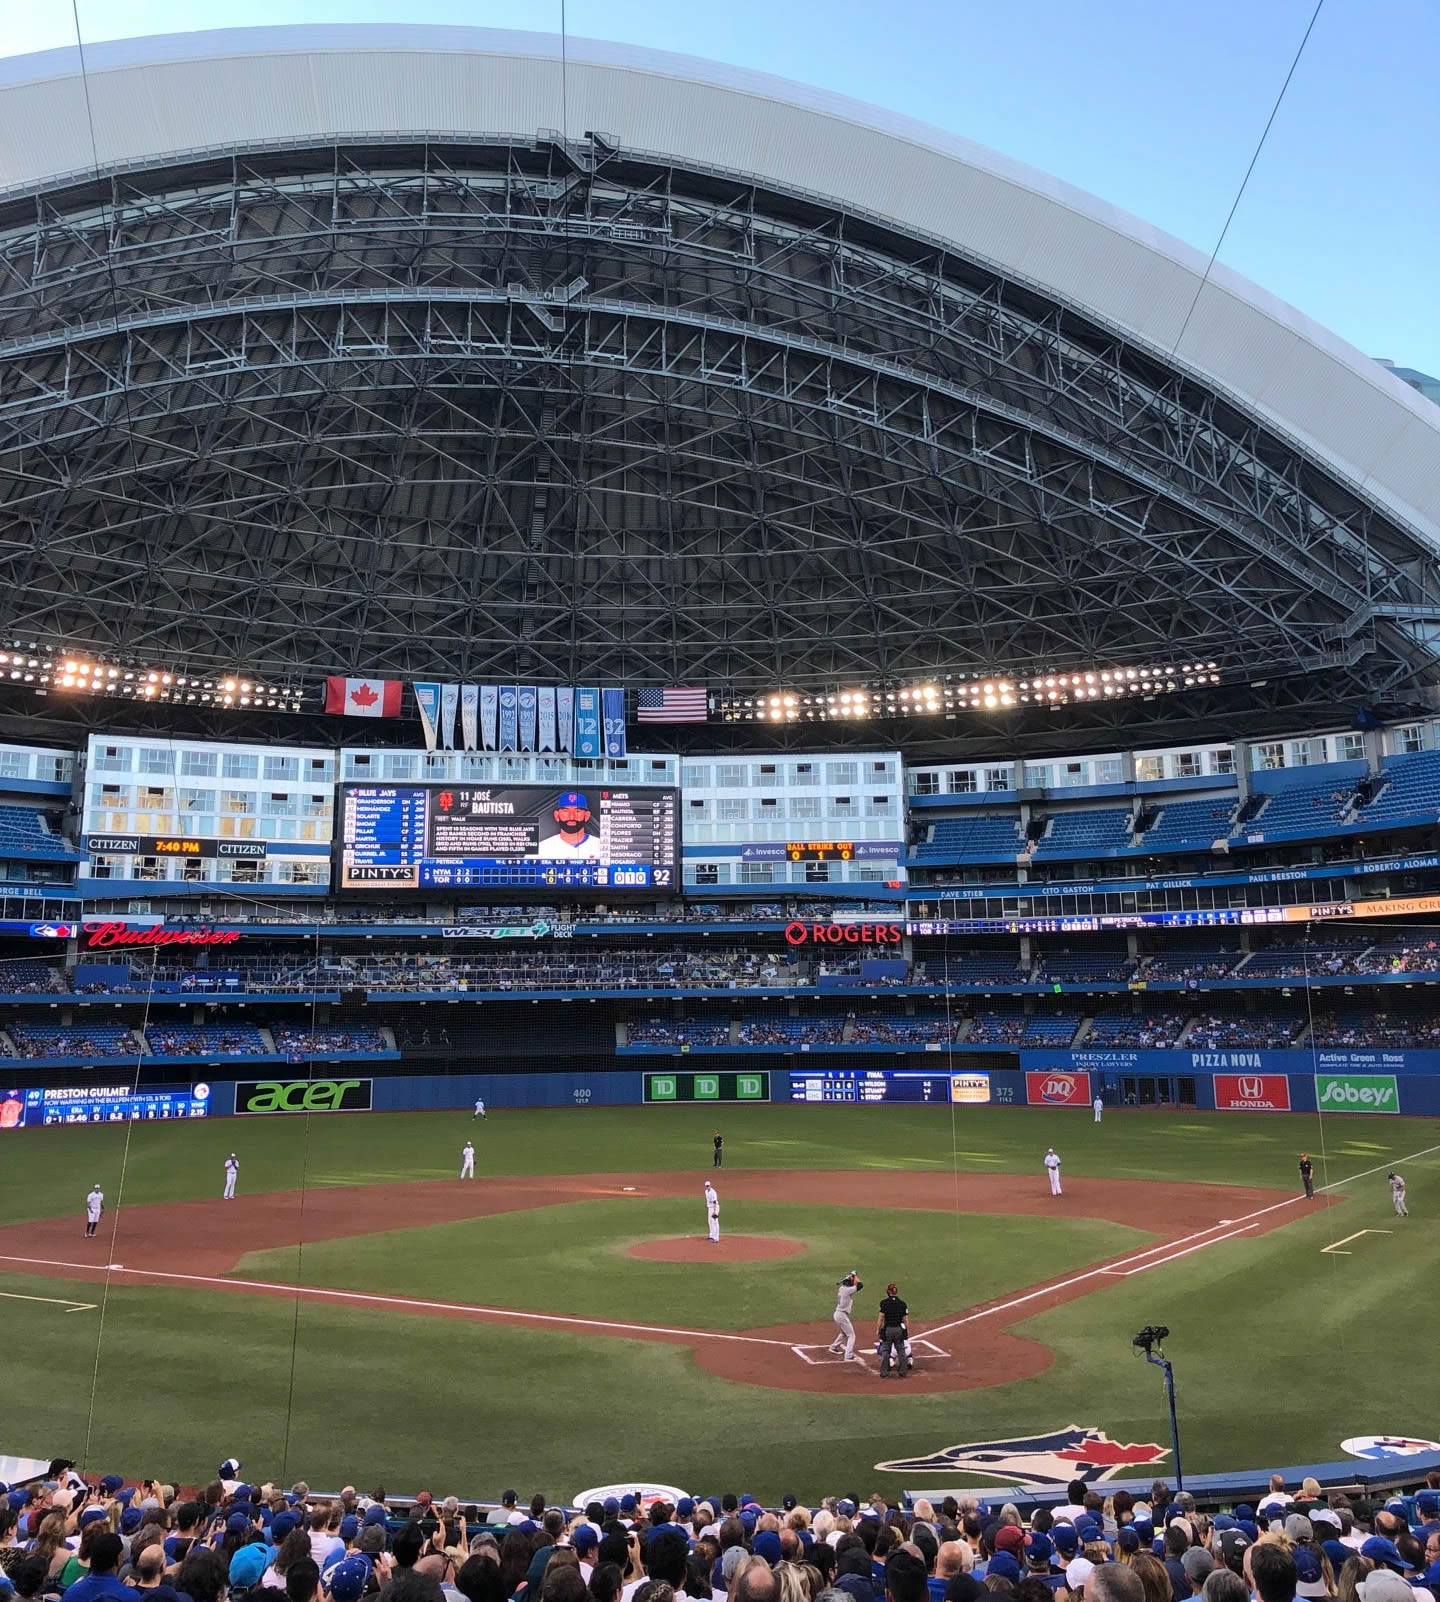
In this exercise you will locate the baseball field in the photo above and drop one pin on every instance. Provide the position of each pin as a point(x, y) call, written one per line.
point(360, 1313)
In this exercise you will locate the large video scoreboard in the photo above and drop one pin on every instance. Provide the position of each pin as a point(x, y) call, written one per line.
point(507, 837)
point(99, 1104)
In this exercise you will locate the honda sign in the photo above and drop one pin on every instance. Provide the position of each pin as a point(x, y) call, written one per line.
point(1252, 1093)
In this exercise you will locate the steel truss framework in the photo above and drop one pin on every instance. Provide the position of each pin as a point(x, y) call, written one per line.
point(563, 413)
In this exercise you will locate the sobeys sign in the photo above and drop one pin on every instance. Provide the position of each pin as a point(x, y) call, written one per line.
point(303, 1096)
point(1370, 1093)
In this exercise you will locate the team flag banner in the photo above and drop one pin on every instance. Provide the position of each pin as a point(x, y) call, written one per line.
point(469, 708)
point(364, 698)
point(509, 718)
point(587, 724)
point(565, 717)
point(449, 701)
point(674, 704)
point(489, 712)
point(527, 717)
point(547, 720)
point(613, 705)
point(427, 699)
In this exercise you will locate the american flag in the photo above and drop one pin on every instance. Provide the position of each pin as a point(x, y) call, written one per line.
point(683, 705)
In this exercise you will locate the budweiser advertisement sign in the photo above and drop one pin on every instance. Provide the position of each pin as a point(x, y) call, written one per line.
point(1252, 1093)
point(844, 934)
point(103, 936)
point(1057, 1089)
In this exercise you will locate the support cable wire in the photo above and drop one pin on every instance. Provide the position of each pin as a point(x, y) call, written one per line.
point(1244, 182)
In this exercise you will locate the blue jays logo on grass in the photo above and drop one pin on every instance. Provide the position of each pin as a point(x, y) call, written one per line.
point(1078, 1451)
point(1378, 1446)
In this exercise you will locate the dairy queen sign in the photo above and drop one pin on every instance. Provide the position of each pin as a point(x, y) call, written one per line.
point(1057, 1089)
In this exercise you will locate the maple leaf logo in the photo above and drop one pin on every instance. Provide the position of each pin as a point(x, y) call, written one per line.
point(364, 696)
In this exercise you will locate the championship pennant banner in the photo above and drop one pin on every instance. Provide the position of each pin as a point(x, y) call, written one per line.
point(581, 720)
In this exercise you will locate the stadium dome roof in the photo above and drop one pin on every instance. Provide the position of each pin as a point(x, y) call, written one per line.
point(403, 350)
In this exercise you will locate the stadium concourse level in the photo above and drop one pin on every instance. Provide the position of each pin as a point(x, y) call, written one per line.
point(230, 1539)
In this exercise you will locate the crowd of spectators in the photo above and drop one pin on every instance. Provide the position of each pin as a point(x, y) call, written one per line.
point(204, 1040)
point(317, 1042)
point(234, 1542)
point(679, 1032)
point(923, 1029)
point(1151, 1031)
point(25, 977)
point(1272, 1030)
point(89, 1041)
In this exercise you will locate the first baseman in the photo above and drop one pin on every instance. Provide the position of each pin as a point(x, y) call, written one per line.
point(232, 1173)
point(467, 1161)
point(1052, 1167)
point(94, 1206)
point(844, 1342)
point(712, 1211)
point(1397, 1195)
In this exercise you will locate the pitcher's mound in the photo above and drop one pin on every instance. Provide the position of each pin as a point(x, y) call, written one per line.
point(728, 1249)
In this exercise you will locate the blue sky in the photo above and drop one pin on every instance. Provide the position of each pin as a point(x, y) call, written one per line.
point(1153, 105)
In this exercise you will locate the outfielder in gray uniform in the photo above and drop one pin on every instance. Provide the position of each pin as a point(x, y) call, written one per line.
point(844, 1342)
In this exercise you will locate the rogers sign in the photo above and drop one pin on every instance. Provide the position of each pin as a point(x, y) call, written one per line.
point(844, 934)
point(99, 936)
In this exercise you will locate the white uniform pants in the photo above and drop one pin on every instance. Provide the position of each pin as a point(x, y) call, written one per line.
point(229, 1187)
point(847, 1333)
point(467, 1168)
point(715, 1226)
point(1054, 1181)
point(1098, 1112)
point(1401, 1210)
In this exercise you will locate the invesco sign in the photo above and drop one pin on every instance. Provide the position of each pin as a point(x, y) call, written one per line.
point(1366, 1093)
point(303, 1096)
point(844, 934)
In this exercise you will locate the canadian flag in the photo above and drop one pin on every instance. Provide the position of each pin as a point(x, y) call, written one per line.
point(363, 698)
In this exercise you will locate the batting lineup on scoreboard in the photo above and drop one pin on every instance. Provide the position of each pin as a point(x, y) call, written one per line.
point(890, 1084)
point(514, 836)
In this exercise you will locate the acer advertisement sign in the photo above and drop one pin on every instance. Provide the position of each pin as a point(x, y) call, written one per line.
point(1252, 1093)
point(1057, 1090)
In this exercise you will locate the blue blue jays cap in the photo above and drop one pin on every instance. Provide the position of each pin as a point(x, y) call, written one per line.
point(248, 1563)
point(573, 798)
point(628, 1503)
point(612, 1504)
point(111, 1483)
point(686, 1506)
point(1066, 1538)
point(1038, 1547)
point(1003, 1564)
point(348, 1526)
point(130, 1520)
point(349, 1578)
point(374, 1514)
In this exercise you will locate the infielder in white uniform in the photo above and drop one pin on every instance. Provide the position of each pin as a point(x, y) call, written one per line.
point(480, 1107)
point(844, 1342)
point(467, 1162)
point(1397, 1195)
point(232, 1173)
point(712, 1211)
point(94, 1206)
point(1052, 1167)
point(1099, 1106)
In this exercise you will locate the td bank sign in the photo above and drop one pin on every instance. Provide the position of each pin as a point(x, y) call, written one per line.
point(303, 1096)
point(1367, 1093)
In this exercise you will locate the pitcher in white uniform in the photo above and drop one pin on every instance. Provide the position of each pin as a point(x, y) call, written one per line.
point(844, 1342)
point(1052, 1167)
point(232, 1173)
point(712, 1211)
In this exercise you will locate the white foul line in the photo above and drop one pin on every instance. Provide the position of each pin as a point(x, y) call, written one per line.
point(506, 1313)
point(1245, 1220)
point(54, 1301)
point(1336, 1245)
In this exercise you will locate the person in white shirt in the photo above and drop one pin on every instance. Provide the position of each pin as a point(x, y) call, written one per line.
point(94, 1206)
point(1052, 1167)
point(844, 1342)
point(232, 1173)
point(479, 1107)
point(1099, 1106)
point(467, 1161)
point(712, 1211)
point(1397, 1195)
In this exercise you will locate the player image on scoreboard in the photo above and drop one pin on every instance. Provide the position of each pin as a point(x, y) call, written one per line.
point(568, 832)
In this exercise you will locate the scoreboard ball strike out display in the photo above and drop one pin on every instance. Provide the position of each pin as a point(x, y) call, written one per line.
point(512, 836)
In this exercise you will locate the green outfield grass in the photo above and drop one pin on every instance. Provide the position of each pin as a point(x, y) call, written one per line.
point(1281, 1350)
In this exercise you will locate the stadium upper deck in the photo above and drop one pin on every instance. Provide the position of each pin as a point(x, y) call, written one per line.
point(672, 375)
